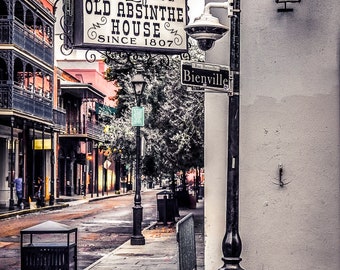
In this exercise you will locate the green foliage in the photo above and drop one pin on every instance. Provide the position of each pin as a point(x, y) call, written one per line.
point(174, 123)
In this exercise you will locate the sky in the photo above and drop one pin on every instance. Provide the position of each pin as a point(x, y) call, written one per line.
point(195, 8)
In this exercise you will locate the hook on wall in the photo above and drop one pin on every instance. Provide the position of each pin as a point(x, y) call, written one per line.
point(282, 182)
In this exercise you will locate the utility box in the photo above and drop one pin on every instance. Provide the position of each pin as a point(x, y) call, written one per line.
point(49, 245)
point(166, 206)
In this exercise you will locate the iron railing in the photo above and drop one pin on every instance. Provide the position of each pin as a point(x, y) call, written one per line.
point(14, 32)
point(59, 118)
point(13, 97)
point(94, 130)
point(91, 129)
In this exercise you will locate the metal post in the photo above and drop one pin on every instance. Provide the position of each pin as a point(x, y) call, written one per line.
point(11, 177)
point(104, 180)
point(24, 164)
point(44, 179)
point(117, 171)
point(232, 245)
point(137, 238)
point(52, 168)
point(33, 163)
point(96, 170)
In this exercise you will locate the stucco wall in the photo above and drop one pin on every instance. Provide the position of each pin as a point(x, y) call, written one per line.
point(290, 116)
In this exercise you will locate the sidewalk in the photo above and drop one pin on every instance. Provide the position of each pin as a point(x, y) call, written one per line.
point(160, 251)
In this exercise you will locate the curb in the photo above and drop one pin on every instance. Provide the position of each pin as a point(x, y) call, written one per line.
point(33, 210)
point(58, 206)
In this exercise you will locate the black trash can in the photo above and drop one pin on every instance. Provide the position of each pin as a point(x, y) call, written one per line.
point(166, 206)
point(49, 245)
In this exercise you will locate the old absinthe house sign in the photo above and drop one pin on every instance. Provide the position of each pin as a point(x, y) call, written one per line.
point(140, 25)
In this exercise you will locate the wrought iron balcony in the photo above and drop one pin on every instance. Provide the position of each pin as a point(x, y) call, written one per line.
point(94, 131)
point(16, 98)
point(14, 32)
point(59, 119)
point(89, 129)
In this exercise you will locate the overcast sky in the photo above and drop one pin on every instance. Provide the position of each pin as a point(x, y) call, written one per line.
point(196, 8)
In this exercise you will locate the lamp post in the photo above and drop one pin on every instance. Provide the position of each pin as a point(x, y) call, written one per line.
point(52, 168)
point(11, 176)
point(206, 30)
point(137, 238)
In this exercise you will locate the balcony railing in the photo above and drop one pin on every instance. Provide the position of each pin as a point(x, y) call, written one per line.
point(90, 129)
point(14, 32)
point(59, 118)
point(13, 97)
point(94, 130)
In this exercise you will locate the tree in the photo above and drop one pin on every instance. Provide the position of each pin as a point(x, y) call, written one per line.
point(174, 124)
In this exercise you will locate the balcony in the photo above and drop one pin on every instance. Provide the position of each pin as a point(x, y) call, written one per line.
point(94, 131)
point(14, 32)
point(16, 98)
point(89, 129)
point(59, 119)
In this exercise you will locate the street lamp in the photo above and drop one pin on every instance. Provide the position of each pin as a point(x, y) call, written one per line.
point(52, 168)
point(138, 84)
point(208, 30)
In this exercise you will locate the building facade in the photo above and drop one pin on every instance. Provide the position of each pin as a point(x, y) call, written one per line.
point(83, 166)
point(289, 119)
point(26, 97)
point(49, 126)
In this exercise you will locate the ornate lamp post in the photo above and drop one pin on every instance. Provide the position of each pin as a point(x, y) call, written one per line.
point(137, 238)
point(206, 30)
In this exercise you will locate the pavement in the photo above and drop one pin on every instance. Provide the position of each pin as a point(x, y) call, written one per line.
point(160, 251)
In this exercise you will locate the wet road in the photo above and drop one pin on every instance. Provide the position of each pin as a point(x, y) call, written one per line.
point(102, 226)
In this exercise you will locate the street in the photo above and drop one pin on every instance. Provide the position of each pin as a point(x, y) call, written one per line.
point(103, 225)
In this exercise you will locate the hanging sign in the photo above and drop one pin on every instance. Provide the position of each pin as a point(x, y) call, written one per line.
point(107, 164)
point(137, 117)
point(39, 144)
point(137, 25)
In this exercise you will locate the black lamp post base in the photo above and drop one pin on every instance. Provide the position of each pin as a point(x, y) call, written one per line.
point(231, 264)
point(11, 204)
point(137, 240)
point(51, 200)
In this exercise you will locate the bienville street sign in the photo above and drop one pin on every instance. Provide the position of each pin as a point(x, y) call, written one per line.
point(135, 25)
point(199, 74)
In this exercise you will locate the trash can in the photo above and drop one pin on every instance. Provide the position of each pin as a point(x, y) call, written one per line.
point(49, 245)
point(166, 206)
